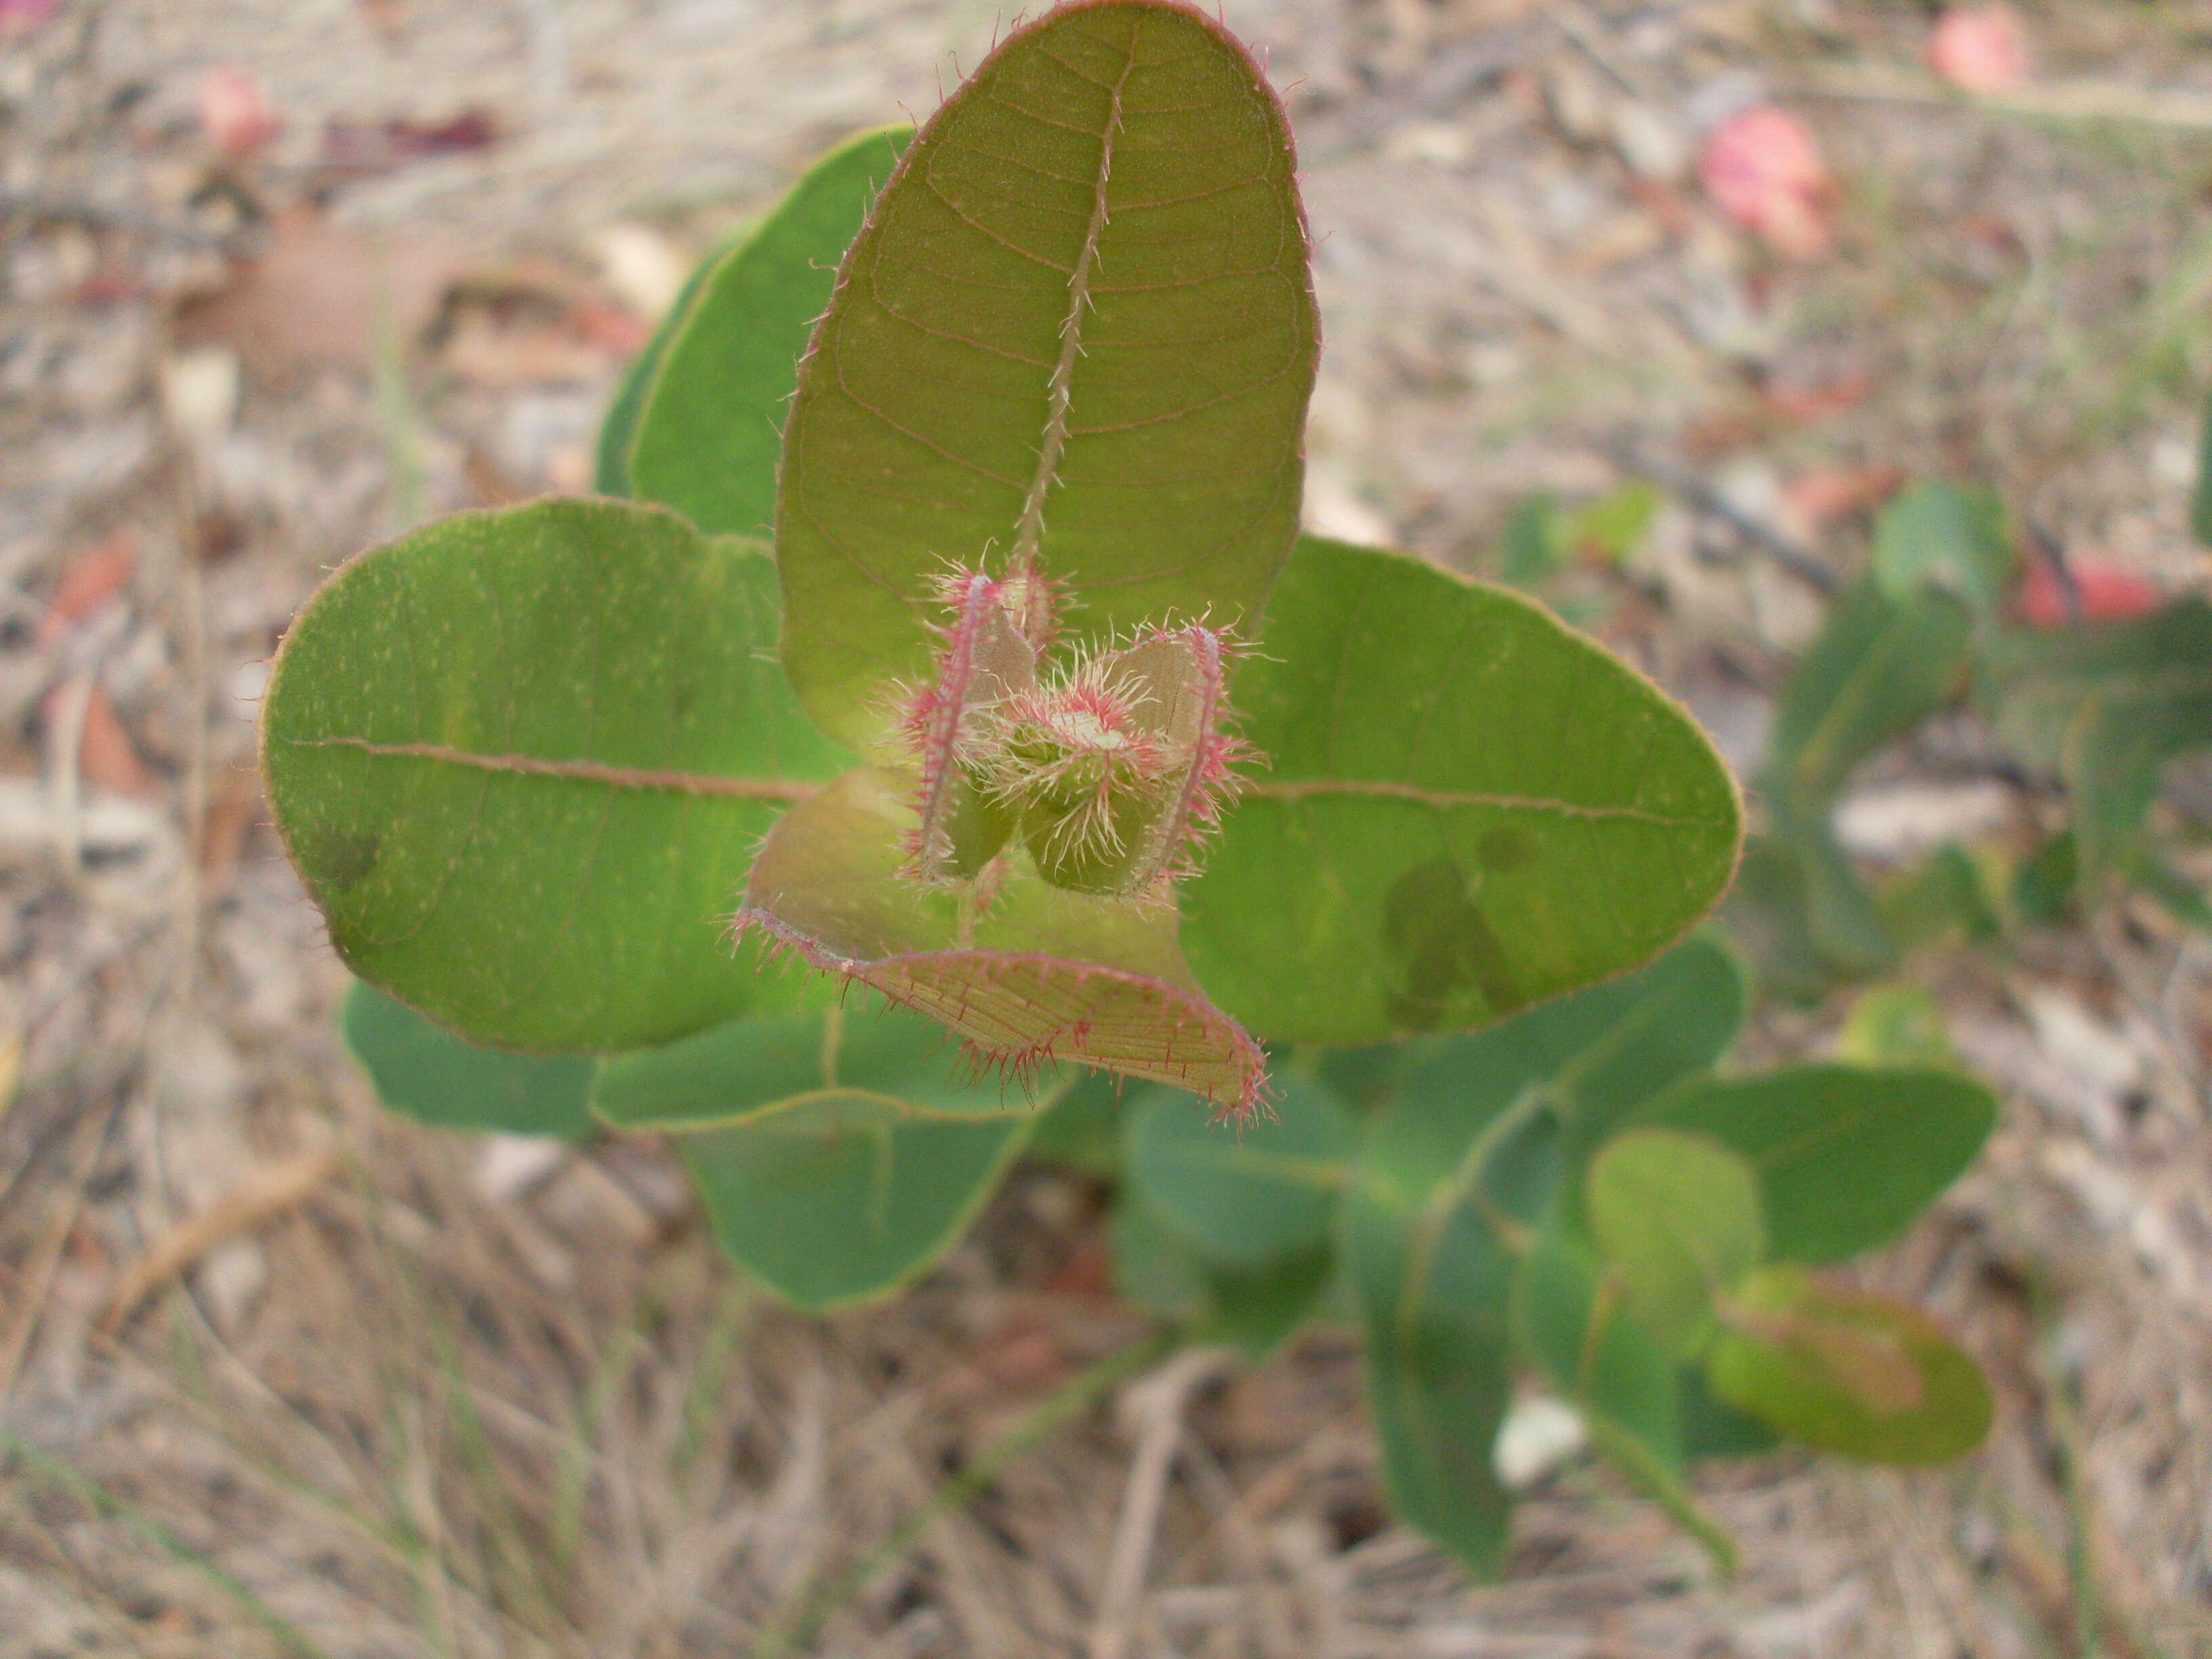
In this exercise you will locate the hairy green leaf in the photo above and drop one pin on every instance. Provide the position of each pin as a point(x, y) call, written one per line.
point(1844, 1371)
point(1039, 973)
point(839, 1197)
point(1243, 1195)
point(522, 759)
point(708, 429)
point(1846, 1155)
point(1467, 809)
point(1677, 1220)
point(427, 1072)
point(1077, 333)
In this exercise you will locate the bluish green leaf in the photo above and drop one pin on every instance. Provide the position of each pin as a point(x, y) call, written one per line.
point(1955, 538)
point(1242, 1195)
point(1846, 1156)
point(708, 428)
point(425, 1072)
point(839, 1197)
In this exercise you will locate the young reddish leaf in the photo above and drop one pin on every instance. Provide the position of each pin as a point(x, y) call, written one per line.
point(1023, 974)
point(1845, 1372)
point(1762, 169)
point(1979, 48)
point(1075, 337)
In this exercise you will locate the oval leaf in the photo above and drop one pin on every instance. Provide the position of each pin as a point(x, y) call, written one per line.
point(1676, 1217)
point(425, 1072)
point(1243, 1195)
point(858, 1044)
point(1844, 1371)
point(1846, 1155)
point(1042, 973)
point(839, 1197)
point(522, 759)
point(1078, 329)
point(1469, 809)
point(713, 386)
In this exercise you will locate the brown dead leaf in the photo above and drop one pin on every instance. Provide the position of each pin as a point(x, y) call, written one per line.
point(107, 760)
point(90, 581)
point(322, 294)
point(1826, 495)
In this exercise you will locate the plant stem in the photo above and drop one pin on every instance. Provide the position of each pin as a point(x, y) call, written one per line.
point(806, 1612)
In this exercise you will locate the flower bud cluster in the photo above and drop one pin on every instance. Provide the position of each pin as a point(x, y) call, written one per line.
point(1110, 768)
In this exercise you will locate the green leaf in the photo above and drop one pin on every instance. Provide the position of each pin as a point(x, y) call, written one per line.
point(1844, 1371)
point(839, 1197)
point(1677, 1219)
point(1242, 1195)
point(1040, 974)
point(427, 1072)
point(1712, 1428)
point(1467, 809)
point(708, 429)
point(1590, 1058)
point(1614, 525)
point(1956, 539)
point(1153, 1267)
point(1846, 1156)
point(1879, 668)
point(1948, 897)
point(1082, 1130)
point(1900, 1023)
point(610, 473)
point(858, 1044)
point(1622, 1381)
point(1432, 1278)
point(2106, 706)
point(522, 759)
point(2200, 504)
point(1078, 329)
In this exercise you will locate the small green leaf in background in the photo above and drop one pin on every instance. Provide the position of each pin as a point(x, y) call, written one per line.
point(1534, 545)
point(425, 1072)
point(1082, 1130)
point(1432, 1281)
point(1900, 1023)
point(1254, 1205)
point(1153, 1267)
point(1948, 897)
point(708, 428)
point(1542, 536)
point(1955, 538)
point(2105, 707)
point(1614, 525)
point(522, 759)
point(2044, 888)
point(841, 1197)
point(1878, 669)
point(1242, 1195)
point(1713, 1428)
point(1043, 973)
point(854, 1041)
point(1847, 1156)
point(1621, 1379)
point(1549, 820)
point(1677, 1220)
point(1844, 1371)
point(1078, 328)
point(2200, 505)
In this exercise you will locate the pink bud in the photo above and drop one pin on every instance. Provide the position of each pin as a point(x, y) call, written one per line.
point(1762, 169)
point(1979, 48)
point(2104, 592)
point(21, 16)
point(235, 116)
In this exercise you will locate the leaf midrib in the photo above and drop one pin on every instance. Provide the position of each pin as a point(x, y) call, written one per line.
point(787, 791)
